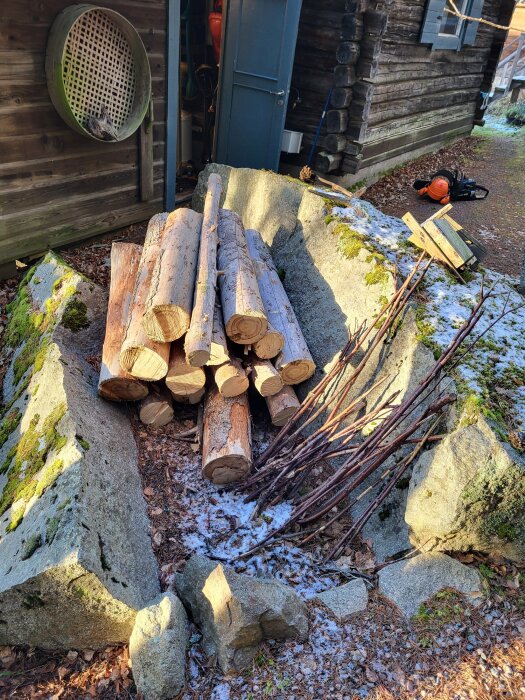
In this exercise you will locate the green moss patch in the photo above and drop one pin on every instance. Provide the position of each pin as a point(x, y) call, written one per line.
point(350, 241)
point(75, 315)
point(378, 275)
point(9, 425)
point(30, 547)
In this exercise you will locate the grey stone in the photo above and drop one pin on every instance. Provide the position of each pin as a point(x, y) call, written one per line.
point(410, 582)
point(236, 612)
point(76, 562)
point(157, 648)
point(345, 600)
point(469, 493)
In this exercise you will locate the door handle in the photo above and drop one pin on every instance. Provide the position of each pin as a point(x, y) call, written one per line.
point(279, 93)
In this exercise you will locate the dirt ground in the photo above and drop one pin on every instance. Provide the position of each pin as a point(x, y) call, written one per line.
point(451, 651)
point(496, 160)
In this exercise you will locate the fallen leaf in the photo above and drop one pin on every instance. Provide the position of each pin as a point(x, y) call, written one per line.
point(156, 511)
point(148, 491)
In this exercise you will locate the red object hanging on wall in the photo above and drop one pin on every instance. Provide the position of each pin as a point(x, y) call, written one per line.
point(215, 25)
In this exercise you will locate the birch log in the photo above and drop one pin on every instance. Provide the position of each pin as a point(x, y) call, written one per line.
point(198, 338)
point(156, 409)
point(170, 298)
point(294, 362)
point(226, 440)
point(182, 379)
point(219, 349)
point(114, 383)
point(270, 345)
point(266, 379)
point(191, 399)
point(245, 319)
point(140, 356)
point(231, 379)
point(282, 406)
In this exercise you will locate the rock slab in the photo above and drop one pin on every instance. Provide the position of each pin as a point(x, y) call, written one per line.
point(345, 600)
point(236, 612)
point(157, 648)
point(76, 562)
point(409, 583)
point(468, 493)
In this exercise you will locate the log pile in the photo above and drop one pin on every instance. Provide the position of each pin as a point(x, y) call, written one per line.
point(199, 312)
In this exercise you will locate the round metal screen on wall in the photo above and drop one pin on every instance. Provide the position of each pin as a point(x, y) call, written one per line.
point(98, 72)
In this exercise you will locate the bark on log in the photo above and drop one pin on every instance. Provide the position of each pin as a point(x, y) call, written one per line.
point(156, 409)
point(198, 338)
point(341, 97)
point(191, 399)
point(231, 379)
point(219, 353)
point(182, 379)
point(270, 345)
point(334, 143)
point(336, 121)
point(266, 379)
point(114, 383)
point(282, 406)
point(295, 362)
point(245, 319)
point(170, 298)
point(344, 76)
point(347, 53)
point(140, 356)
point(326, 162)
point(226, 440)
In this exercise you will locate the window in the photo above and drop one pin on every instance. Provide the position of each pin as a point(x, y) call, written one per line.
point(444, 30)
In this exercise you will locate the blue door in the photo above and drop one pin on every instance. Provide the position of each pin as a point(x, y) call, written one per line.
point(256, 68)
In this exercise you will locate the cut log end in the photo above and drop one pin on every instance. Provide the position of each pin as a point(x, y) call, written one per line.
point(231, 379)
point(225, 470)
point(265, 377)
point(157, 409)
point(296, 371)
point(143, 363)
point(246, 329)
point(192, 399)
point(198, 358)
point(122, 389)
point(183, 379)
point(282, 406)
point(270, 345)
point(166, 323)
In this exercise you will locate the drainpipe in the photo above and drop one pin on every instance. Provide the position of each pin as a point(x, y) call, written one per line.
point(172, 101)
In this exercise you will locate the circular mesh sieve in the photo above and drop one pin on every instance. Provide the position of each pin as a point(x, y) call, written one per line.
point(98, 69)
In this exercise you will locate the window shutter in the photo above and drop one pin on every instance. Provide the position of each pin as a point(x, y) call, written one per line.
point(432, 21)
point(471, 28)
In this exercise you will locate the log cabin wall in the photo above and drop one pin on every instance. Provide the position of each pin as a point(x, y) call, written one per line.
point(415, 99)
point(57, 186)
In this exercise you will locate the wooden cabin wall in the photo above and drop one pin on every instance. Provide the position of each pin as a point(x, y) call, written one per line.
point(57, 186)
point(420, 98)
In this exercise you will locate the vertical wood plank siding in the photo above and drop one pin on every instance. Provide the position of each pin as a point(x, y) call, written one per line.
point(57, 186)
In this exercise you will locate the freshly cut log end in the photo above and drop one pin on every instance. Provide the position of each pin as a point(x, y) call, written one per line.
point(122, 389)
point(166, 322)
point(114, 383)
point(170, 298)
point(157, 409)
point(245, 318)
point(147, 363)
point(192, 399)
point(296, 371)
point(265, 378)
point(282, 406)
point(226, 439)
point(219, 349)
point(270, 345)
point(182, 379)
point(246, 328)
point(197, 343)
point(231, 378)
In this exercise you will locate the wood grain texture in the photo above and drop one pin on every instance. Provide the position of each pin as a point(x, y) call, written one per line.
point(282, 406)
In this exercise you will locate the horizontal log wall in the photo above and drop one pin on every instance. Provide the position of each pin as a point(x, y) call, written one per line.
point(418, 97)
point(57, 186)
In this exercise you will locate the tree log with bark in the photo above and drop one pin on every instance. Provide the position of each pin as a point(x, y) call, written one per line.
point(226, 442)
point(230, 378)
point(245, 319)
point(182, 379)
point(282, 406)
point(156, 409)
point(140, 356)
point(170, 298)
point(219, 349)
point(270, 345)
point(266, 379)
point(295, 363)
point(114, 383)
point(198, 338)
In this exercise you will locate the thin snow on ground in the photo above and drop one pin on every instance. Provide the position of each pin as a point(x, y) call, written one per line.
point(497, 123)
point(502, 350)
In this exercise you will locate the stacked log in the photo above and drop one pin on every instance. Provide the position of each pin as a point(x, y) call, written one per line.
point(182, 379)
point(266, 379)
point(282, 406)
point(294, 362)
point(198, 339)
point(156, 410)
point(230, 378)
point(115, 384)
point(141, 356)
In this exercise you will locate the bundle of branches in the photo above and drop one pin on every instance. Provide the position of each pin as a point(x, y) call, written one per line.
point(283, 468)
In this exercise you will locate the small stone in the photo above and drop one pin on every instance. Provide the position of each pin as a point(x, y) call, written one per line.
point(157, 648)
point(345, 600)
point(409, 583)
